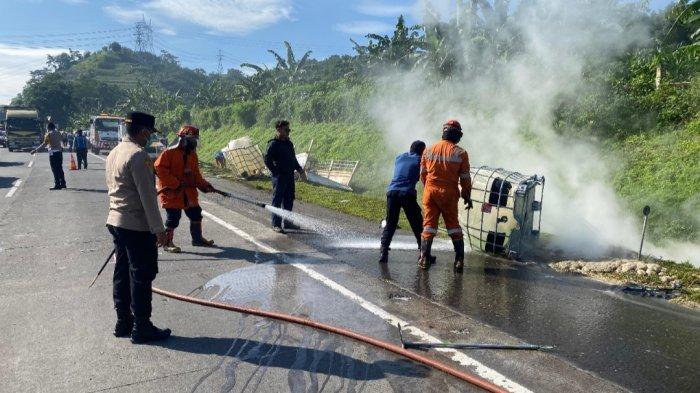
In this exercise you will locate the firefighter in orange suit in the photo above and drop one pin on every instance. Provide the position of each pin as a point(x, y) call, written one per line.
point(444, 168)
point(179, 180)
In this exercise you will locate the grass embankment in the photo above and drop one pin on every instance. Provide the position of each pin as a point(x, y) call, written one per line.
point(332, 140)
point(663, 171)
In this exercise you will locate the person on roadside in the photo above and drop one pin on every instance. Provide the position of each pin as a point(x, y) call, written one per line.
point(137, 229)
point(80, 143)
point(281, 160)
point(220, 159)
point(71, 136)
point(179, 179)
point(444, 168)
point(401, 194)
point(54, 141)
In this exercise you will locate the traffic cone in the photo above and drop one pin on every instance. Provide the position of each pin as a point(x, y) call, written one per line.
point(73, 166)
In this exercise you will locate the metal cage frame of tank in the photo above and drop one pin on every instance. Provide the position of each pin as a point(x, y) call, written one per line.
point(246, 162)
point(521, 189)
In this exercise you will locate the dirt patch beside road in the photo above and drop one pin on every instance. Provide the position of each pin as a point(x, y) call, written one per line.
point(678, 282)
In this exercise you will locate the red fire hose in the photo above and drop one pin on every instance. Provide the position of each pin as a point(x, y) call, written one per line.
point(472, 379)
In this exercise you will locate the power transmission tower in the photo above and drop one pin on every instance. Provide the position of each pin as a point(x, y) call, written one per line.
point(220, 67)
point(143, 36)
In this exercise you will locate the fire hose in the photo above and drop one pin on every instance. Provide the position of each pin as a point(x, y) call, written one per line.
point(464, 376)
point(398, 350)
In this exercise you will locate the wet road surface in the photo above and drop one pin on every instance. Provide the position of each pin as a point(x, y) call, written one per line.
point(51, 244)
point(643, 344)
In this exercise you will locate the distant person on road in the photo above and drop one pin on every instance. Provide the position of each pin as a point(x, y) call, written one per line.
point(53, 140)
point(179, 179)
point(220, 159)
point(401, 194)
point(80, 143)
point(137, 229)
point(443, 168)
point(281, 160)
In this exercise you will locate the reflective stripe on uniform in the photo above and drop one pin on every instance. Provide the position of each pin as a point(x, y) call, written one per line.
point(429, 230)
point(438, 157)
point(453, 231)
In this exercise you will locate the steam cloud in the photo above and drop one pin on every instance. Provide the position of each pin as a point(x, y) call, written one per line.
point(507, 115)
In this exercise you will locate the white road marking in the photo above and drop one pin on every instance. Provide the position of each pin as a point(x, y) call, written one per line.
point(457, 356)
point(96, 156)
point(15, 186)
point(31, 164)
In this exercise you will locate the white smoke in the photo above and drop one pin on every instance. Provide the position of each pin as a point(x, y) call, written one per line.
point(507, 115)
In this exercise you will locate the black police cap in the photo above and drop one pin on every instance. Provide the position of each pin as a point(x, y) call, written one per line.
point(142, 119)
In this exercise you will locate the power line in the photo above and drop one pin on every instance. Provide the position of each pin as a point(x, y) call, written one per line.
point(65, 34)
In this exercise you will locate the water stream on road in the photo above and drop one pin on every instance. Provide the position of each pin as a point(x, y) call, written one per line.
point(343, 238)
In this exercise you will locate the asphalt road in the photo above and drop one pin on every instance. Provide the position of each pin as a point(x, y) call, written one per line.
point(57, 331)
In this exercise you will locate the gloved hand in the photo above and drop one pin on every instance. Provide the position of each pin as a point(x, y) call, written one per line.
point(469, 204)
point(302, 176)
point(467, 197)
point(207, 189)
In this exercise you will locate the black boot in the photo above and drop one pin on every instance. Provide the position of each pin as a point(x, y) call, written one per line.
point(383, 254)
point(459, 255)
point(144, 331)
point(290, 225)
point(124, 325)
point(425, 259)
point(197, 238)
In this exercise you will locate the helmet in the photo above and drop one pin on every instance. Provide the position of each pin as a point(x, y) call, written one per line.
point(452, 124)
point(188, 130)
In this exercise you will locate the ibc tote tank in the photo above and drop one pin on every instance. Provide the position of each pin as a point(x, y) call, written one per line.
point(507, 211)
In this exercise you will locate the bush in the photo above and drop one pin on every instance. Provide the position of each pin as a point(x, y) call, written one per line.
point(245, 113)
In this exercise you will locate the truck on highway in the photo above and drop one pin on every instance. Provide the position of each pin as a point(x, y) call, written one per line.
point(105, 131)
point(23, 128)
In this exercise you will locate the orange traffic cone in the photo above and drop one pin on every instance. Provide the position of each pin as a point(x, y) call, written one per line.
point(73, 167)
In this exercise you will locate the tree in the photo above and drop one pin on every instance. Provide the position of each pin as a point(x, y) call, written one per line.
point(50, 94)
point(399, 50)
point(290, 68)
point(256, 85)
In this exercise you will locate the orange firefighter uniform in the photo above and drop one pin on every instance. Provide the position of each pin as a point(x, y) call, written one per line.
point(179, 180)
point(444, 167)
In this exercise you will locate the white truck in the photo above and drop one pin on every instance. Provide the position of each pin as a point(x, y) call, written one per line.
point(105, 131)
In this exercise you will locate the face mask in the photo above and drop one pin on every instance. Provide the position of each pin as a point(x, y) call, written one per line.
point(190, 143)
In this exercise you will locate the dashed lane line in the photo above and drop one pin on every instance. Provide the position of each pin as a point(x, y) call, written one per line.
point(457, 356)
point(15, 186)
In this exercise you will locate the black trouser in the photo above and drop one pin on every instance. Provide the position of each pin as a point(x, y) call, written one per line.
point(56, 161)
point(173, 216)
point(82, 156)
point(283, 191)
point(395, 201)
point(136, 268)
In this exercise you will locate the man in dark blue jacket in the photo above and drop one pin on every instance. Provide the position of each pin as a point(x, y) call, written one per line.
point(80, 143)
point(281, 160)
point(401, 194)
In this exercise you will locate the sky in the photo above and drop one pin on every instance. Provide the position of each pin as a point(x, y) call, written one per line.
point(194, 30)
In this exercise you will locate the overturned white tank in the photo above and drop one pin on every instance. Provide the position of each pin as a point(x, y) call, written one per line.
point(244, 158)
point(507, 211)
